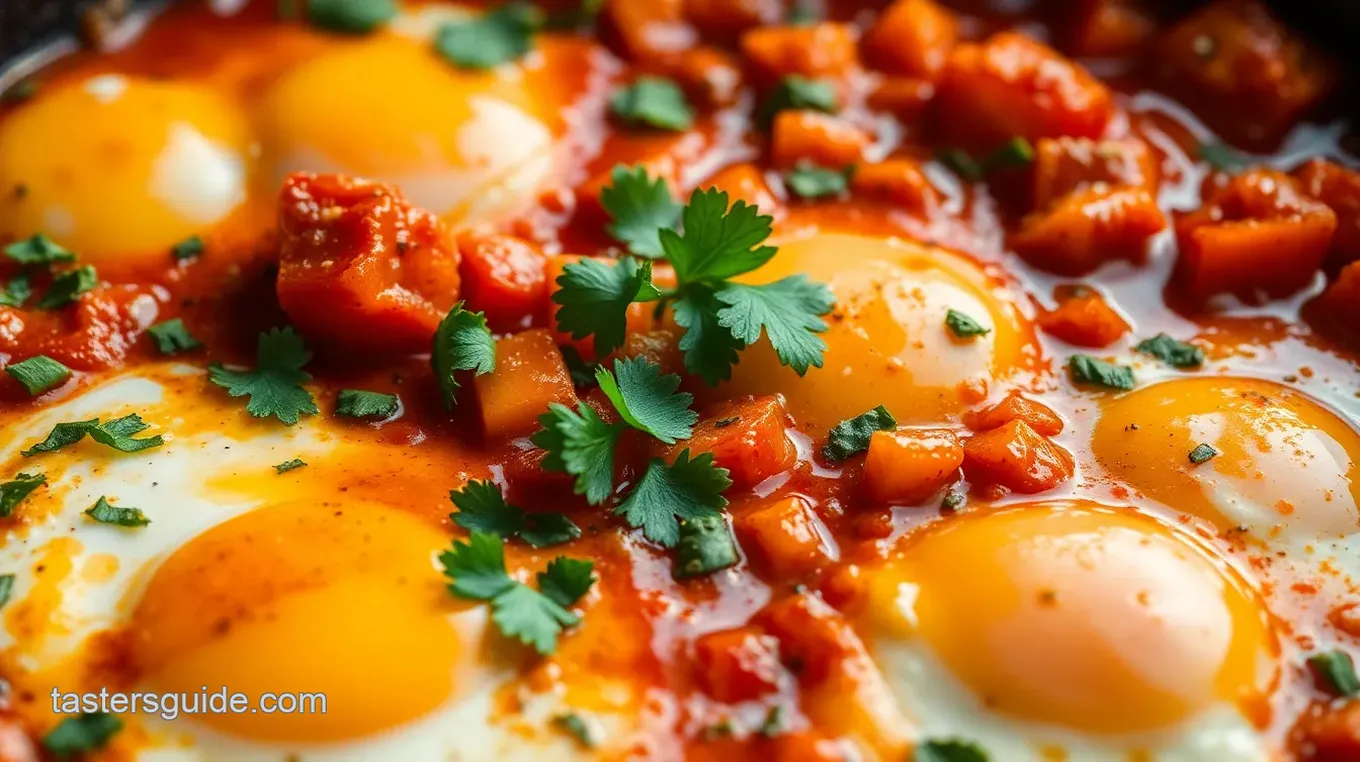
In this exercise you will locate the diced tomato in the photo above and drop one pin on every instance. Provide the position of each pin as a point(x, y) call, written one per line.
point(899, 182)
point(910, 465)
point(747, 437)
point(661, 346)
point(96, 332)
point(710, 76)
point(903, 97)
point(505, 277)
point(1011, 86)
point(816, 51)
point(1258, 232)
point(725, 20)
point(360, 267)
point(1084, 319)
point(813, 136)
point(786, 538)
point(1345, 617)
point(912, 37)
point(812, 635)
point(1015, 407)
point(1088, 227)
point(1017, 457)
point(746, 182)
point(530, 374)
point(1339, 313)
point(647, 30)
point(1327, 732)
point(741, 664)
point(1064, 165)
point(1339, 188)
point(1109, 28)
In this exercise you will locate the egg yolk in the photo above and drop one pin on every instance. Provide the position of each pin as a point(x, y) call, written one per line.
point(301, 597)
point(120, 169)
point(1081, 616)
point(887, 342)
point(1282, 459)
point(463, 144)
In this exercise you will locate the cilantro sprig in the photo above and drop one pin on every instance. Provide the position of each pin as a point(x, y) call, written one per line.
point(639, 207)
point(482, 508)
point(461, 342)
point(275, 384)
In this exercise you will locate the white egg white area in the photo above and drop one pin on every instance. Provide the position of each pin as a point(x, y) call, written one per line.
point(198, 179)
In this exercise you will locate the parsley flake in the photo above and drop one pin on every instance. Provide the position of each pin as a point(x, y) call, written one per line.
point(16, 490)
point(851, 436)
point(948, 750)
point(810, 181)
point(499, 36)
point(461, 342)
point(358, 403)
point(192, 247)
point(1089, 370)
point(639, 206)
point(117, 434)
point(275, 384)
point(482, 508)
point(706, 545)
point(6, 588)
point(1202, 453)
point(646, 399)
point(594, 298)
point(1177, 354)
point(39, 374)
point(104, 513)
point(963, 326)
point(39, 250)
point(89, 731)
point(580, 443)
point(289, 465)
point(574, 724)
point(67, 286)
point(798, 93)
point(1336, 672)
point(17, 291)
point(172, 337)
point(686, 489)
point(652, 102)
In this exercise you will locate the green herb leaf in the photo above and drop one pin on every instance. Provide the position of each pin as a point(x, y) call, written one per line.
point(523, 613)
point(500, 36)
point(953, 501)
point(358, 403)
point(813, 182)
point(17, 291)
point(104, 513)
point(652, 102)
point(639, 207)
point(579, 729)
point(687, 489)
point(461, 342)
point(6, 588)
point(86, 732)
point(1336, 671)
point(582, 372)
point(39, 250)
point(961, 163)
point(192, 247)
point(594, 298)
point(717, 243)
point(482, 508)
point(476, 568)
point(948, 750)
point(67, 286)
point(39, 374)
point(647, 401)
point(710, 349)
point(851, 436)
point(788, 311)
point(1202, 453)
point(172, 337)
point(275, 384)
point(773, 724)
point(1017, 152)
point(566, 580)
point(117, 434)
point(1223, 157)
point(1177, 354)
point(289, 465)
point(798, 93)
point(1089, 370)
point(15, 490)
point(964, 326)
point(580, 443)
point(706, 545)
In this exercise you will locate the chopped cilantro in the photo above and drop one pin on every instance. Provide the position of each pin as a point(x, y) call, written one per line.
point(192, 247)
point(172, 337)
point(578, 728)
point(39, 250)
point(39, 374)
point(773, 724)
point(798, 93)
point(646, 399)
point(1016, 152)
point(501, 35)
point(15, 490)
point(710, 349)
point(117, 434)
point(810, 181)
point(275, 384)
point(1222, 156)
point(476, 569)
point(594, 298)
point(1336, 672)
point(718, 242)
point(67, 286)
point(686, 489)
point(17, 291)
point(358, 403)
point(652, 102)
point(349, 17)
point(104, 513)
point(580, 443)
point(948, 750)
point(583, 15)
point(461, 342)
point(1202, 452)
point(6, 588)
point(851, 436)
point(482, 508)
point(1177, 354)
point(1089, 370)
point(953, 501)
point(639, 206)
point(86, 732)
point(705, 546)
point(289, 465)
point(964, 326)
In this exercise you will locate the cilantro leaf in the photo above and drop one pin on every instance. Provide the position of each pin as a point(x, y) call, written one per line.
point(963, 326)
point(476, 568)
point(289, 465)
point(39, 373)
point(851, 436)
point(1202, 453)
point(482, 508)
point(542, 530)
point(16, 490)
point(787, 311)
point(461, 342)
point(686, 489)
point(646, 400)
point(1336, 672)
point(275, 385)
point(104, 513)
point(90, 731)
point(710, 349)
point(1177, 354)
point(67, 286)
point(810, 181)
point(948, 750)
point(532, 618)
point(798, 93)
point(192, 247)
point(6, 588)
point(639, 207)
point(1089, 370)
point(17, 291)
point(359, 403)
point(499, 36)
point(349, 17)
point(594, 298)
point(653, 102)
point(717, 243)
point(566, 580)
point(580, 443)
point(117, 434)
point(172, 337)
point(39, 250)
point(705, 546)
point(574, 724)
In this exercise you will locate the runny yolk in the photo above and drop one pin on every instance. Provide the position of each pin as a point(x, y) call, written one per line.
point(1282, 459)
point(1082, 616)
point(304, 597)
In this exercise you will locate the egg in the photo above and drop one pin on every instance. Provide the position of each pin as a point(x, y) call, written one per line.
point(1072, 628)
point(887, 341)
point(120, 168)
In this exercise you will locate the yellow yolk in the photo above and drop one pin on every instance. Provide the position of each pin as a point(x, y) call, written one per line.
point(887, 340)
point(120, 169)
point(343, 600)
point(1283, 460)
point(459, 143)
point(1081, 616)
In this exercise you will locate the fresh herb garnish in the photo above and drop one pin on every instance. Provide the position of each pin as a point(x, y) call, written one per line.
point(1177, 354)
point(17, 291)
point(594, 298)
point(15, 490)
point(39, 250)
point(275, 384)
point(1089, 370)
point(499, 36)
point(798, 93)
point(89, 731)
point(1336, 671)
point(462, 342)
point(1017, 152)
point(948, 750)
point(646, 399)
point(579, 729)
point(289, 465)
point(192, 247)
point(67, 286)
point(963, 326)
point(476, 569)
point(117, 434)
point(1222, 156)
point(6, 588)
point(706, 545)
point(953, 501)
point(773, 724)
point(652, 102)
point(811, 182)
point(687, 489)
point(851, 436)
point(1202, 452)
point(172, 337)
point(39, 374)
point(639, 207)
point(358, 403)
point(104, 513)
point(482, 508)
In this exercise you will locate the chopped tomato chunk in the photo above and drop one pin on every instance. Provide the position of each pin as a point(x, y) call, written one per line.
point(1084, 319)
point(1339, 188)
point(661, 346)
point(1064, 165)
point(1017, 457)
point(1011, 86)
point(741, 664)
point(746, 437)
point(1108, 28)
point(912, 37)
point(786, 537)
point(505, 277)
point(529, 375)
point(1015, 407)
point(822, 139)
point(361, 267)
point(1339, 313)
point(1088, 227)
point(1258, 232)
point(710, 76)
point(725, 20)
point(97, 331)
point(904, 97)
point(819, 50)
point(646, 30)
point(899, 182)
point(812, 635)
point(1327, 732)
point(911, 465)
